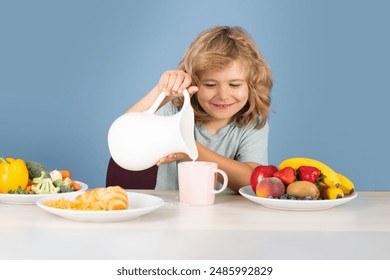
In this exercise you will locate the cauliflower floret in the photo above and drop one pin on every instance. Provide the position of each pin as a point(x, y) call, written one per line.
point(44, 185)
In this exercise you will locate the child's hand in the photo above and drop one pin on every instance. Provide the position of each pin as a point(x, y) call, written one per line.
point(174, 82)
point(171, 158)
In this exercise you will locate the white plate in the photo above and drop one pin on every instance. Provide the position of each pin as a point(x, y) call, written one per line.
point(285, 204)
point(139, 204)
point(32, 198)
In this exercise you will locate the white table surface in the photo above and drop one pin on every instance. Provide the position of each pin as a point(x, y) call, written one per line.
point(233, 228)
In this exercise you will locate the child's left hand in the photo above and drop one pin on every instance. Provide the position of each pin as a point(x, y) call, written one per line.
point(171, 158)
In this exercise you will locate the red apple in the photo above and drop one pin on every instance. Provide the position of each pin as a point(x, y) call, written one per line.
point(260, 172)
point(270, 187)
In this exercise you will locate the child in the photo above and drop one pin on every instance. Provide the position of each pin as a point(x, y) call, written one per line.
point(230, 83)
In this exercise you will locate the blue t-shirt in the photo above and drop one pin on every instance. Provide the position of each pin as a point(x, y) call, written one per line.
point(241, 143)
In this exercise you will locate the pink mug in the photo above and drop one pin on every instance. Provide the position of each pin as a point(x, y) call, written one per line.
point(197, 181)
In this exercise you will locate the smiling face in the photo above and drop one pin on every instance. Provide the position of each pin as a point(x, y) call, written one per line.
point(222, 94)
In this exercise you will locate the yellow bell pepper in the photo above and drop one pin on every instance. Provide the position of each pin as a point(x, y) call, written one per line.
point(13, 173)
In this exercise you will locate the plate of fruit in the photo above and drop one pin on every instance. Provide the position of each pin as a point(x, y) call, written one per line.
point(299, 184)
point(24, 182)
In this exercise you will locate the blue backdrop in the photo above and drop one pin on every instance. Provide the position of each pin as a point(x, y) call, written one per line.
point(69, 68)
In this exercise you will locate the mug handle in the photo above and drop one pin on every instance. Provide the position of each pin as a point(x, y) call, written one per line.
point(225, 181)
point(160, 99)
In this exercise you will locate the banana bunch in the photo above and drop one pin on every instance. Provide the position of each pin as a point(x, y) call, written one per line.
point(333, 185)
point(330, 192)
point(346, 185)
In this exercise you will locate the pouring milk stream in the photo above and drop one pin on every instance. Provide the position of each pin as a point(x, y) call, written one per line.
point(137, 140)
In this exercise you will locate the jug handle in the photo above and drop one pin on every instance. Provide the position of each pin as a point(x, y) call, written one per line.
point(160, 99)
point(187, 98)
point(156, 103)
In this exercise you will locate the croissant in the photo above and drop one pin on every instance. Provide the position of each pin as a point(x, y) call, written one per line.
point(110, 198)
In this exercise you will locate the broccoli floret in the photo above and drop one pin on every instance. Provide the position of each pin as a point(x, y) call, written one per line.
point(35, 169)
point(65, 189)
point(64, 185)
point(67, 181)
point(44, 185)
point(18, 191)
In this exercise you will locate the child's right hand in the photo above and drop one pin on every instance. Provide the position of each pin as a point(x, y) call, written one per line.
point(174, 82)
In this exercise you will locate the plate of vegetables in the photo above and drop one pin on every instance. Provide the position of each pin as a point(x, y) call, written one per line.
point(24, 182)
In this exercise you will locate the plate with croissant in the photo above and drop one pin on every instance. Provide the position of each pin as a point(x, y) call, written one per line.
point(111, 204)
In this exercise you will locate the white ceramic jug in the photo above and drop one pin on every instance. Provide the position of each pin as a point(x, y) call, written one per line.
point(137, 140)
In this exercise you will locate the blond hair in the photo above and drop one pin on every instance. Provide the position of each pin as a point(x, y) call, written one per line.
point(215, 49)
